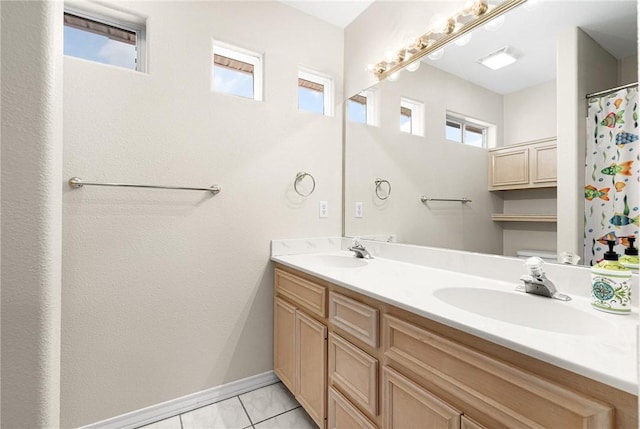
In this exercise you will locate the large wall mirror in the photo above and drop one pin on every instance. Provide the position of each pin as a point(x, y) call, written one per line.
point(430, 134)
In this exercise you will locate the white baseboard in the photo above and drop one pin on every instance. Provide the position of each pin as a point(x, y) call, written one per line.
point(186, 403)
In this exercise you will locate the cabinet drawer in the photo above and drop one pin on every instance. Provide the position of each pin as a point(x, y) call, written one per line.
point(308, 295)
point(407, 405)
point(497, 394)
point(343, 415)
point(354, 318)
point(354, 372)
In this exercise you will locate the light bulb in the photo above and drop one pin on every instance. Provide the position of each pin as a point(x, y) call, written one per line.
point(463, 40)
point(436, 55)
point(438, 23)
point(370, 67)
point(389, 56)
point(394, 76)
point(413, 66)
point(494, 24)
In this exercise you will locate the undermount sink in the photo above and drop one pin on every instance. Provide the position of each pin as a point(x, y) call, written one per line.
point(526, 310)
point(340, 261)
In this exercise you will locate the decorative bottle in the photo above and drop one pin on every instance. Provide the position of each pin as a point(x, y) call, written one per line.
point(611, 284)
point(630, 258)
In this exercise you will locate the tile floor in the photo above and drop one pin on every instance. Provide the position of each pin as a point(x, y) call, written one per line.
point(270, 407)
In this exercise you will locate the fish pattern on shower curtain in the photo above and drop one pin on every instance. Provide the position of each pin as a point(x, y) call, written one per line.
point(612, 173)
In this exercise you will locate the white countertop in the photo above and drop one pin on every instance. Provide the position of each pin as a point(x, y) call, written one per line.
point(608, 356)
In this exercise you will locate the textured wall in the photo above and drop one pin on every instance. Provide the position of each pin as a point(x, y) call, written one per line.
point(168, 293)
point(31, 213)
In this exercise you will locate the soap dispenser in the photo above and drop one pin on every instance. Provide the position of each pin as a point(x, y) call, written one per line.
point(630, 258)
point(611, 284)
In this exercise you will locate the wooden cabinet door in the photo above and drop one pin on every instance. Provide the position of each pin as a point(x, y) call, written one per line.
point(509, 168)
point(409, 406)
point(467, 423)
point(344, 415)
point(284, 343)
point(544, 168)
point(311, 366)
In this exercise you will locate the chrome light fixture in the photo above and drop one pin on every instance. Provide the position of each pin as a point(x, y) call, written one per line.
point(474, 14)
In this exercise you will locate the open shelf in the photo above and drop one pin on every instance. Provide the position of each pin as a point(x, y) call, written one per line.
point(502, 217)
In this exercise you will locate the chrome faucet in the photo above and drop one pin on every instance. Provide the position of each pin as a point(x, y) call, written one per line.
point(360, 250)
point(537, 283)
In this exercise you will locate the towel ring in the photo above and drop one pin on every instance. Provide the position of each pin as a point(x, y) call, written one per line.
point(379, 183)
point(301, 175)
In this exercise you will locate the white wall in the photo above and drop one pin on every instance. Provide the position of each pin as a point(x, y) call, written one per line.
point(583, 67)
point(168, 293)
point(628, 70)
point(428, 165)
point(31, 167)
point(530, 114)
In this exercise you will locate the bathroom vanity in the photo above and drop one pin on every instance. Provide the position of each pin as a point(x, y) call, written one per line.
point(390, 356)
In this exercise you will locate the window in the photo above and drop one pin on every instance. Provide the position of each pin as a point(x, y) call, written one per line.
point(412, 117)
point(237, 71)
point(468, 131)
point(405, 119)
point(357, 109)
point(104, 40)
point(315, 92)
point(361, 108)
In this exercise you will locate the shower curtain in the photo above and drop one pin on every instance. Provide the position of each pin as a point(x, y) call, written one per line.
point(612, 173)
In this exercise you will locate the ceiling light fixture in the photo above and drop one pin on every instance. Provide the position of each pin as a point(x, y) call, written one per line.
point(499, 59)
point(474, 14)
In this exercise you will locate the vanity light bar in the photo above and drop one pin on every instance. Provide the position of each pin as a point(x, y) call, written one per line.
point(383, 71)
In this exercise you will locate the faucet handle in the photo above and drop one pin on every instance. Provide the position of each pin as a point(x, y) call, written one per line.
point(534, 265)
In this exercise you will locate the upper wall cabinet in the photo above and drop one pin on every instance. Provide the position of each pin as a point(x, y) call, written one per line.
point(523, 166)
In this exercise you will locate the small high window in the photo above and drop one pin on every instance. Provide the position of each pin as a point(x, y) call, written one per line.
point(104, 40)
point(406, 124)
point(361, 108)
point(357, 109)
point(237, 71)
point(412, 117)
point(315, 92)
point(467, 131)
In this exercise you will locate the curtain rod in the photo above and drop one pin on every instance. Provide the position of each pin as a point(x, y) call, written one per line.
point(609, 91)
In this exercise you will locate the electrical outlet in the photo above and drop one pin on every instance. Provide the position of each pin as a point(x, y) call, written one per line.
point(324, 208)
point(359, 209)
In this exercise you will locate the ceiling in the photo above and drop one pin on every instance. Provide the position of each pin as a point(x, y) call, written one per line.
point(532, 33)
point(531, 30)
point(338, 13)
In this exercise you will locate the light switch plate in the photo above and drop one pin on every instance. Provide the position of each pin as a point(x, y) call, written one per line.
point(359, 209)
point(324, 209)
